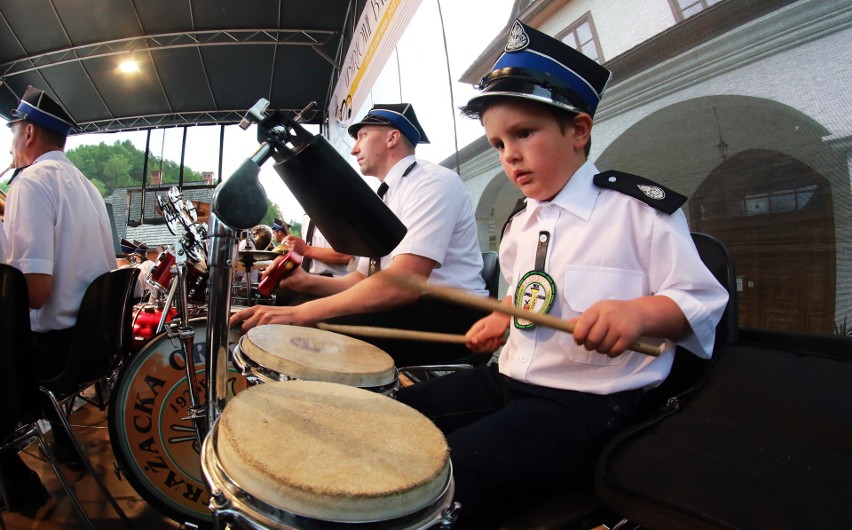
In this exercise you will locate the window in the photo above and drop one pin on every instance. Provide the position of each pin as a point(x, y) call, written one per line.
point(684, 9)
point(581, 36)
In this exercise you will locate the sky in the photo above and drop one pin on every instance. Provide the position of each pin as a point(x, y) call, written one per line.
point(416, 73)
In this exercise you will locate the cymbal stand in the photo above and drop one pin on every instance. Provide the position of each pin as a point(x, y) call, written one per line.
point(186, 335)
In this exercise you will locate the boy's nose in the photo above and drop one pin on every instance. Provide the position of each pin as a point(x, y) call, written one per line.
point(510, 153)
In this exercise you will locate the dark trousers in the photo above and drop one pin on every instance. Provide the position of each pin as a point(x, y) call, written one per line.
point(422, 315)
point(50, 351)
point(511, 441)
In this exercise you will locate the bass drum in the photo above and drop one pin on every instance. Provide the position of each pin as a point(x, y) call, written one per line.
point(156, 448)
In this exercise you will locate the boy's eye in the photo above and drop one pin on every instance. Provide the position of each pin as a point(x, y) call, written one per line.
point(524, 133)
point(497, 145)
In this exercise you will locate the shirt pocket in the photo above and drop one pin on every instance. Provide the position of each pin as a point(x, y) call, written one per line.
point(583, 286)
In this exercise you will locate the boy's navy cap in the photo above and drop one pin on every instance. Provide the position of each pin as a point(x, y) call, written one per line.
point(397, 115)
point(36, 106)
point(537, 67)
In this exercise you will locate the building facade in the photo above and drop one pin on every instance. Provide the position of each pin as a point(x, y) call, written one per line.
point(741, 105)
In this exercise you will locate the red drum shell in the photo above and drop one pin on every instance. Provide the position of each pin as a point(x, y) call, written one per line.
point(146, 318)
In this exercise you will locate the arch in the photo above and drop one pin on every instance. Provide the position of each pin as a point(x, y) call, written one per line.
point(779, 224)
point(775, 155)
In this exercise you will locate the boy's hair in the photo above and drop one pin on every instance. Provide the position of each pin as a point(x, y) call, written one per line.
point(475, 109)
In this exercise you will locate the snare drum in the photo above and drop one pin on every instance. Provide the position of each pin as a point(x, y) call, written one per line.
point(276, 352)
point(309, 454)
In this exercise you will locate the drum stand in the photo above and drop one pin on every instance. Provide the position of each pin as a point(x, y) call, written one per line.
point(186, 335)
point(222, 257)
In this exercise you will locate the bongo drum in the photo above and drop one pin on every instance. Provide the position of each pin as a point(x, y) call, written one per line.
point(312, 454)
point(277, 352)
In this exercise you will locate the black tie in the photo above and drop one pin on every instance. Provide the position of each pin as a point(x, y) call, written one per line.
point(383, 188)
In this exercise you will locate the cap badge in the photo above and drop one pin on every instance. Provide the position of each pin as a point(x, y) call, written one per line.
point(518, 38)
point(653, 192)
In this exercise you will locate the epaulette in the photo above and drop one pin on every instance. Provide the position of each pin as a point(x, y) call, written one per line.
point(647, 191)
point(520, 206)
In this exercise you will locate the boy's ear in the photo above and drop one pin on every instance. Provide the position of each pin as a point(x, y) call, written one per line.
point(582, 130)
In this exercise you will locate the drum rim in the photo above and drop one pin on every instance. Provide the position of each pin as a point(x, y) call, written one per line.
point(233, 500)
point(127, 464)
point(252, 369)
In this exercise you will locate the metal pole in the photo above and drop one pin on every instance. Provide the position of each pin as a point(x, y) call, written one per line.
point(222, 249)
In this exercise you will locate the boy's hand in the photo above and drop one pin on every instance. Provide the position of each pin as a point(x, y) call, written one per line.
point(609, 326)
point(487, 334)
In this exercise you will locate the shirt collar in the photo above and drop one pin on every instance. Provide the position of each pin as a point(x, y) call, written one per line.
point(397, 170)
point(577, 197)
point(51, 155)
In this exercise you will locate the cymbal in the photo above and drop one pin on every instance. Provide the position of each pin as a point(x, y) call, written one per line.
point(250, 256)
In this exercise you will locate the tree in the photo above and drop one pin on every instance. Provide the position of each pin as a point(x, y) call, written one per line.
point(121, 164)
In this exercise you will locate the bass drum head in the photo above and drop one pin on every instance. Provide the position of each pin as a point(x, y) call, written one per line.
point(156, 448)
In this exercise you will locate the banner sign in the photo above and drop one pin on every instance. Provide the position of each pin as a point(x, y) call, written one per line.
point(377, 33)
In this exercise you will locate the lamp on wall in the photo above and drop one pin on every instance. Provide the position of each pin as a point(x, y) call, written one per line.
point(721, 146)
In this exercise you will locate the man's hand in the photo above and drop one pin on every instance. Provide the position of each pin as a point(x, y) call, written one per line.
point(260, 315)
point(298, 244)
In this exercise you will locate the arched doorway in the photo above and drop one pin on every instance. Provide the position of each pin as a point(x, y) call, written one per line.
point(775, 214)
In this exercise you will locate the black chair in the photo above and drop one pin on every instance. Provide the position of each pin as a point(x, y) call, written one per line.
point(19, 393)
point(102, 337)
point(491, 272)
point(581, 507)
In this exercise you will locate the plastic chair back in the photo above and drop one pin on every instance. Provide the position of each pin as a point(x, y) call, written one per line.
point(102, 335)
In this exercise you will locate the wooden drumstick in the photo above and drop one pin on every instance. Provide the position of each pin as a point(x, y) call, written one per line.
point(393, 333)
point(489, 304)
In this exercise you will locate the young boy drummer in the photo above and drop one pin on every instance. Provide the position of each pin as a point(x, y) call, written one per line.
point(608, 251)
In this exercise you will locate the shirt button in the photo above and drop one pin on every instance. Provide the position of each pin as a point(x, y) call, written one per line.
point(524, 359)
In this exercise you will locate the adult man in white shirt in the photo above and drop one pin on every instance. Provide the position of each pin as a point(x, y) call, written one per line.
point(59, 236)
point(440, 246)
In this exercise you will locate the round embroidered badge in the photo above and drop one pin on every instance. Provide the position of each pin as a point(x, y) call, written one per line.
point(535, 292)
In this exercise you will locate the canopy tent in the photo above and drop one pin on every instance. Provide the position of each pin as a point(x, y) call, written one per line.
point(200, 61)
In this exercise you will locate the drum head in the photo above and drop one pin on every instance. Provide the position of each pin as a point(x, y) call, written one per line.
point(317, 355)
point(154, 445)
point(331, 452)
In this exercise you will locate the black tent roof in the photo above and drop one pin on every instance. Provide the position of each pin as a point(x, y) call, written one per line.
point(201, 61)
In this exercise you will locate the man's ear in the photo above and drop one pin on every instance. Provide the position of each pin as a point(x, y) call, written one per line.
point(393, 137)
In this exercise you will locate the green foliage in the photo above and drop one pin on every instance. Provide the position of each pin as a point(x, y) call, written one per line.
point(99, 185)
point(120, 166)
point(272, 212)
